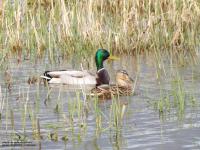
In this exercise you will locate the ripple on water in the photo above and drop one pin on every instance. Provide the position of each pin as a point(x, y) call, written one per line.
point(142, 128)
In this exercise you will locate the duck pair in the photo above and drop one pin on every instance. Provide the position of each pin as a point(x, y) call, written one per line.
point(123, 84)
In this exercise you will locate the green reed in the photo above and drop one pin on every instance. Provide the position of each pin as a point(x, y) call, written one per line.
point(98, 116)
point(34, 28)
point(176, 100)
point(77, 110)
point(179, 94)
point(117, 111)
point(35, 124)
point(1, 103)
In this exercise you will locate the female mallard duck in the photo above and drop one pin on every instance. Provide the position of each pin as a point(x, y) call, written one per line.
point(123, 87)
point(82, 77)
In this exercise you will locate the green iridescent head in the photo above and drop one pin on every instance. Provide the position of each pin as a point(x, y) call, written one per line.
point(101, 55)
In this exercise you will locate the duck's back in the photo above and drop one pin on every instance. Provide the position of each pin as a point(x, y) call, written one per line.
point(77, 80)
point(72, 77)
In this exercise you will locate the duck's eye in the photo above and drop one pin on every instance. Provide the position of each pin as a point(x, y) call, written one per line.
point(124, 72)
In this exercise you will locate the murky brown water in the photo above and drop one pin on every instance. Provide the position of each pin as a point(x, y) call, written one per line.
point(142, 128)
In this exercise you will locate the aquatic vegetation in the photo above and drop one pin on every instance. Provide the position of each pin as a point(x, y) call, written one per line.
point(1, 102)
point(117, 112)
point(53, 136)
point(19, 137)
point(33, 80)
point(77, 109)
point(65, 138)
point(179, 95)
point(176, 100)
point(35, 124)
point(55, 115)
point(50, 32)
point(34, 28)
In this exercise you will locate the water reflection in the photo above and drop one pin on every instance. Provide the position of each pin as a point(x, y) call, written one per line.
point(142, 126)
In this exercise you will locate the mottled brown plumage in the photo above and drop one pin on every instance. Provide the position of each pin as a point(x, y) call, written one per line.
point(123, 87)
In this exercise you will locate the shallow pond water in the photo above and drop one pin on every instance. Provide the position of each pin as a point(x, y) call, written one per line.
point(143, 126)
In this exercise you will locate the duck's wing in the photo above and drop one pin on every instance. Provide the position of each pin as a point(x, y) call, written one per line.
point(104, 86)
point(74, 73)
point(57, 74)
point(78, 80)
point(52, 74)
point(69, 77)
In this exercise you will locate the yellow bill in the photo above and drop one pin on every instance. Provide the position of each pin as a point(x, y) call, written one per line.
point(113, 58)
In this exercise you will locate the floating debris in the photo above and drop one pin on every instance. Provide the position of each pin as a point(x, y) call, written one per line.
point(53, 136)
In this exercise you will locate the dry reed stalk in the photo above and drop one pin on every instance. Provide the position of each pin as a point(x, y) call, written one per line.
point(122, 26)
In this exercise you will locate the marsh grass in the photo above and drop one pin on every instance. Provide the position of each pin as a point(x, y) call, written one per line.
point(98, 116)
point(117, 112)
point(31, 29)
point(1, 103)
point(34, 28)
point(176, 101)
point(74, 124)
point(77, 112)
point(36, 134)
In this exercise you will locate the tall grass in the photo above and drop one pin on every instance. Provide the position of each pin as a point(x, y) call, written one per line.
point(37, 27)
point(176, 101)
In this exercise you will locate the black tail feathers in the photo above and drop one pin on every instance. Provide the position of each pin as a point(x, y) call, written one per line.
point(47, 75)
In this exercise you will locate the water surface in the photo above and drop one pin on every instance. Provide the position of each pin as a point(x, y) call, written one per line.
point(143, 126)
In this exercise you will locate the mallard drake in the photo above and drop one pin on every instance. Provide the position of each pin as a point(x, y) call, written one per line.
point(123, 87)
point(74, 77)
